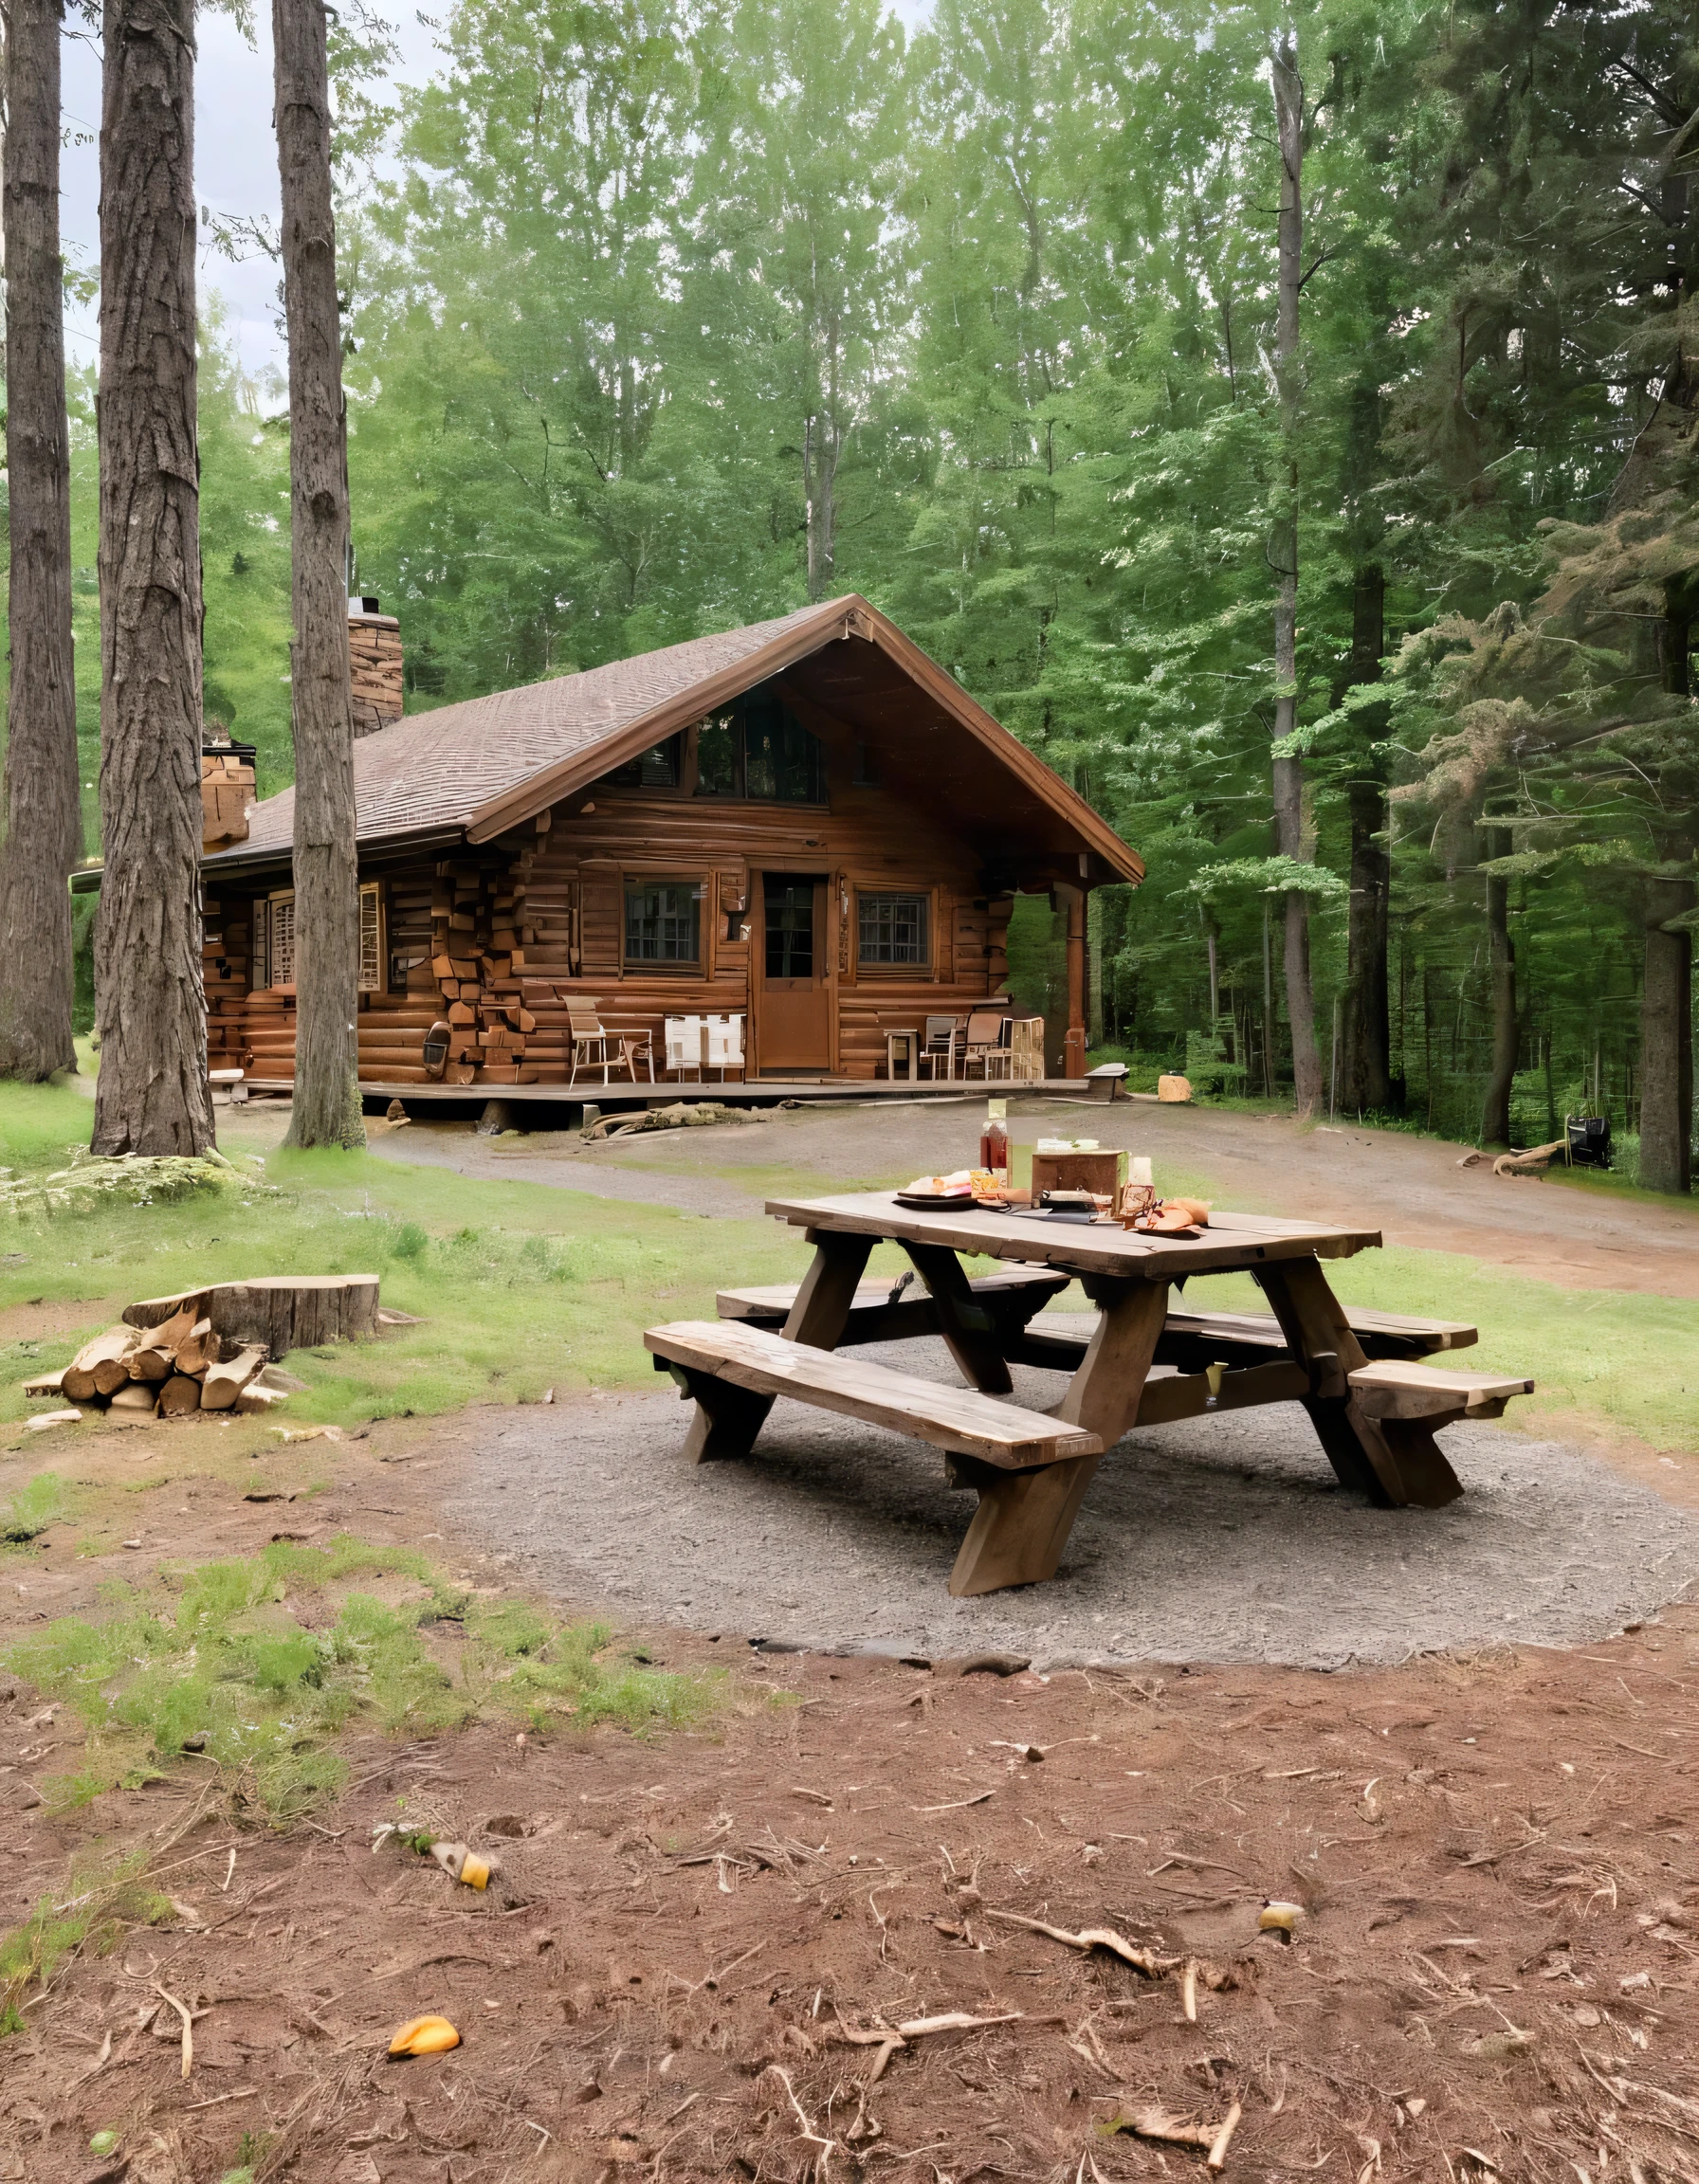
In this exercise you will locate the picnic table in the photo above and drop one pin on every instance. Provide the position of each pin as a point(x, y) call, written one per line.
point(1360, 1376)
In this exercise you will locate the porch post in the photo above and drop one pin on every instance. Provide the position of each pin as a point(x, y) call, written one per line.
point(1074, 1045)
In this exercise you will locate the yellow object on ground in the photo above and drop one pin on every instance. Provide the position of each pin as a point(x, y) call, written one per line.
point(424, 2036)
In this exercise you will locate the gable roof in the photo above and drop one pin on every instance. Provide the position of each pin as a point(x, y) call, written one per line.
point(486, 764)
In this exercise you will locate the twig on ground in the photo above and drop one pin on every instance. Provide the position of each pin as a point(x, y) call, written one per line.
point(183, 2012)
point(827, 2146)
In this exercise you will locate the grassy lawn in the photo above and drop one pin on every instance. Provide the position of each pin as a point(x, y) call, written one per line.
point(519, 1289)
point(1606, 1362)
point(523, 1287)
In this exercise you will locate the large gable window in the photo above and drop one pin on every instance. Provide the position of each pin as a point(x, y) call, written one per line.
point(756, 748)
point(663, 928)
point(661, 768)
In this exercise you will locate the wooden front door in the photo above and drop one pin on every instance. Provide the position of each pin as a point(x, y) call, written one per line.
point(792, 990)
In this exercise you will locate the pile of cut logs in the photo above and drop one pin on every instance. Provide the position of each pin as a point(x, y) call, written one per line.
point(214, 1348)
point(163, 1371)
point(478, 937)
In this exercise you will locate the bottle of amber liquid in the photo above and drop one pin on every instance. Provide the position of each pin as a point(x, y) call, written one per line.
point(994, 1139)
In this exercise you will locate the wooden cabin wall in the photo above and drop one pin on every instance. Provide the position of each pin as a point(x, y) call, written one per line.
point(492, 938)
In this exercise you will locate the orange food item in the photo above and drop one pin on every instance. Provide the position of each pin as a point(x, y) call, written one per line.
point(424, 2036)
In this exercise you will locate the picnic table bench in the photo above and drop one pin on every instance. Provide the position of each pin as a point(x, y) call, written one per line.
point(1361, 1375)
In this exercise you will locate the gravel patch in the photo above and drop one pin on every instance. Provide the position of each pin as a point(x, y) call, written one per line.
point(1223, 1539)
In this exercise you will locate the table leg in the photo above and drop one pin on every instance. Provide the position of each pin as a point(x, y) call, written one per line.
point(1024, 1518)
point(821, 1311)
point(1393, 1469)
point(966, 1326)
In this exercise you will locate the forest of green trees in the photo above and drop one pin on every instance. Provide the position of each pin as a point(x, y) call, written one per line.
point(668, 315)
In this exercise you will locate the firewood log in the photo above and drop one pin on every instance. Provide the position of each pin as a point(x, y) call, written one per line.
point(224, 1382)
point(178, 1395)
point(201, 1348)
point(254, 1399)
point(79, 1382)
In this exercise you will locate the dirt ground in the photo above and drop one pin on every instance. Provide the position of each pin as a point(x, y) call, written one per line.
point(1493, 1973)
point(699, 1936)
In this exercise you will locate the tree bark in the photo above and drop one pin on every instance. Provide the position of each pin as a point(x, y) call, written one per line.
point(1666, 1040)
point(41, 820)
point(1288, 773)
point(327, 1095)
point(152, 1095)
point(1365, 1075)
point(1495, 1108)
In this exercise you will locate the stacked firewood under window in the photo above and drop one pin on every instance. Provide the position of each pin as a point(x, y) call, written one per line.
point(477, 938)
point(224, 973)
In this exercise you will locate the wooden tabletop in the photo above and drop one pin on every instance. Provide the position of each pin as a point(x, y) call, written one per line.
point(1231, 1242)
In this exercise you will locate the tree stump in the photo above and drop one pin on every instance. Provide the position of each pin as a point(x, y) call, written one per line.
point(289, 1312)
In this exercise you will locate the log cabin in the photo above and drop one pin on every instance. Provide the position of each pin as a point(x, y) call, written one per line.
point(806, 824)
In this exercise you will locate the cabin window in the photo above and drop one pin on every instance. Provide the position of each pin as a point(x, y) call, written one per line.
point(274, 942)
point(894, 930)
point(756, 748)
point(663, 923)
point(662, 768)
point(372, 978)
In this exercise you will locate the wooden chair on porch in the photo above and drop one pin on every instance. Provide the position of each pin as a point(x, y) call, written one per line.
point(986, 1043)
point(596, 1045)
point(943, 1035)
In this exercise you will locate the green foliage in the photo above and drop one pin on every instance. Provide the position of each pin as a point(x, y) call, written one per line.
point(219, 1666)
point(97, 1900)
point(652, 294)
point(41, 1501)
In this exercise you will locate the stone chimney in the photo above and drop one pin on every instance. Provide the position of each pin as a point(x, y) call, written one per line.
point(227, 789)
point(373, 667)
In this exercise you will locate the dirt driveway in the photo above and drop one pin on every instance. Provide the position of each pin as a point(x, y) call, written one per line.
point(1411, 1188)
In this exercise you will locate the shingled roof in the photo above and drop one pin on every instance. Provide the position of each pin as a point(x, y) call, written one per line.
point(439, 769)
point(486, 764)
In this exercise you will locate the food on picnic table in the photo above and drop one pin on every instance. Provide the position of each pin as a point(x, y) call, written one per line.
point(959, 1183)
point(1152, 1216)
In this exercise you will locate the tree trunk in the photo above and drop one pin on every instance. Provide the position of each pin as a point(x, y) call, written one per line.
point(152, 1094)
point(1365, 1075)
point(1666, 1040)
point(327, 941)
point(820, 466)
point(1495, 1108)
point(1288, 773)
point(41, 820)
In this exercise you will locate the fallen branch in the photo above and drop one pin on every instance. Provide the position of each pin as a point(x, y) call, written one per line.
point(1531, 1163)
point(1145, 1960)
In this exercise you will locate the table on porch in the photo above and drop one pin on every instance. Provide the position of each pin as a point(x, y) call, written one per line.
point(1139, 1363)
